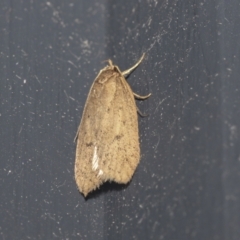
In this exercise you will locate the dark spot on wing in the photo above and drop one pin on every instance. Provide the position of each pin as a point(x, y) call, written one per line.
point(89, 144)
point(118, 137)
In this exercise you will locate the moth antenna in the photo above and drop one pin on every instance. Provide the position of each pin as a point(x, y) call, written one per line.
point(128, 71)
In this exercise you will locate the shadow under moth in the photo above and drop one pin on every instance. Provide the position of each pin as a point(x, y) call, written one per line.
point(107, 137)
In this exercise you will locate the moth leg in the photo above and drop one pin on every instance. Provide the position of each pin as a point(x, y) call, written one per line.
point(126, 72)
point(141, 114)
point(141, 97)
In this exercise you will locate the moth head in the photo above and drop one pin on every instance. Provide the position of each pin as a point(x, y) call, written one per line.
point(108, 72)
point(110, 66)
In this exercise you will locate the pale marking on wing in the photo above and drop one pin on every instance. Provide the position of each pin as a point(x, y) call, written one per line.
point(95, 161)
point(100, 173)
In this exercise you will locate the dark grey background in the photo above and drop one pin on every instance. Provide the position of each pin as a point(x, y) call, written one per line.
point(187, 185)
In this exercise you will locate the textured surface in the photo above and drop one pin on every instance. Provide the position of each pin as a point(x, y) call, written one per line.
point(186, 185)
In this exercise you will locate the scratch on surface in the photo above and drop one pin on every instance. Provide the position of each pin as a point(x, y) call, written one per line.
point(156, 40)
point(74, 55)
point(20, 130)
point(157, 144)
point(56, 16)
point(160, 104)
point(73, 99)
point(86, 46)
point(72, 63)
point(37, 79)
point(58, 186)
point(66, 95)
point(187, 102)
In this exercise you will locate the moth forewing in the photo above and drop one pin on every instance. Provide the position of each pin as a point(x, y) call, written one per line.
point(107, 138)
point(123, 152)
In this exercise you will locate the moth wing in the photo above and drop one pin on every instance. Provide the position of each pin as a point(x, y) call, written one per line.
point(121, 153)
point(93, 133)
point(108, 141)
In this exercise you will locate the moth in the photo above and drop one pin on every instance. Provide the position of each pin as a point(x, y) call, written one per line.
point(107, 137)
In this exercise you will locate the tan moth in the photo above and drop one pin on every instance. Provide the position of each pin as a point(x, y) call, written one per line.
point(107, 137)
